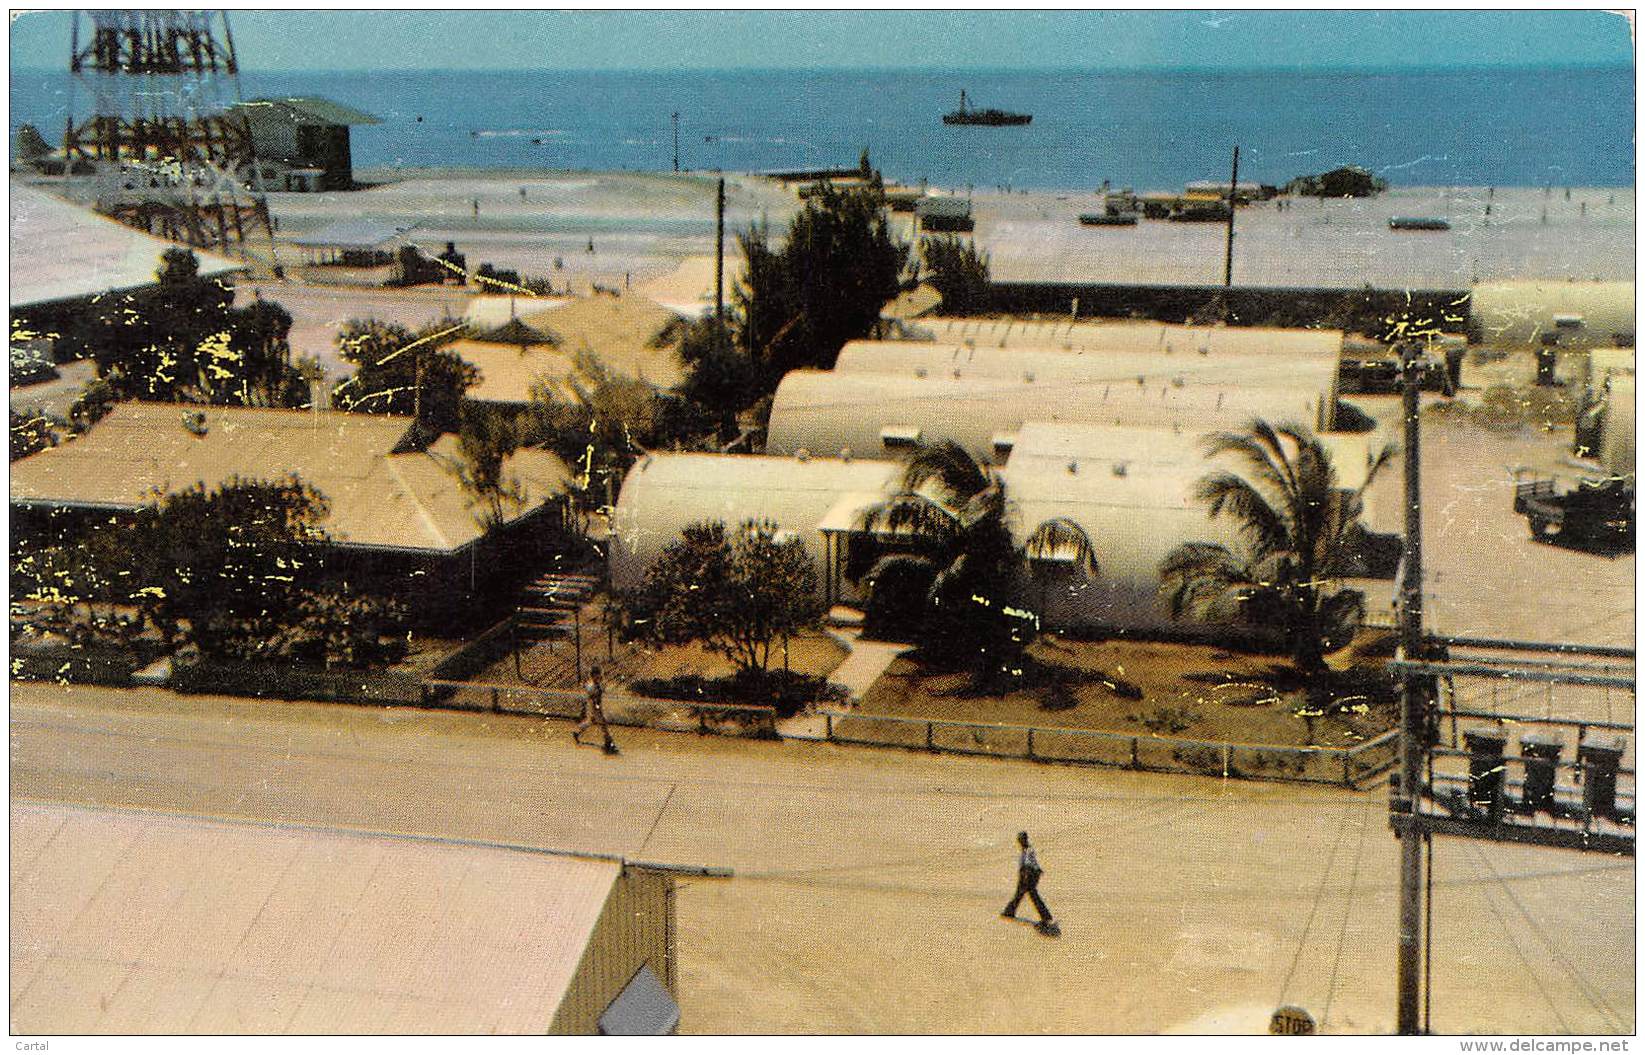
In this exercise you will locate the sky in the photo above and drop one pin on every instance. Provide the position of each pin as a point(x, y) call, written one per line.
point(650, 40)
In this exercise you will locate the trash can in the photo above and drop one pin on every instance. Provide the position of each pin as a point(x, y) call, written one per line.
point(1541, 752)
point(1600, 758)
point(1485, 765)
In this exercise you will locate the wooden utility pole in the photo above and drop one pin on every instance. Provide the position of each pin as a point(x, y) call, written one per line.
point(719, 255)
point(1233, 195)
point(1413, 703)
point(676, 140)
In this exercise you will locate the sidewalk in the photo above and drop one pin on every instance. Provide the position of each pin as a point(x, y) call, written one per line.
point(857, 674)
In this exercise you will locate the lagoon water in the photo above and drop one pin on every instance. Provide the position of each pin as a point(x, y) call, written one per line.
point(1474, 127)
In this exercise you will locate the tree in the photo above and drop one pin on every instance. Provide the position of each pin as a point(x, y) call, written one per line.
point(946, 568)
point(719, 376)
point(30, 145)
point(735, 592)
point(32, 431)
point(958, 272)
point(487, 439)
point(398, 372)
point(611, 420)
point(1301, 532)
point(182, 340)
point(226, 569)
point(826, 286)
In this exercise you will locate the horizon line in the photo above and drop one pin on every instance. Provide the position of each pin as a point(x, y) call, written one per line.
point(1124, 70)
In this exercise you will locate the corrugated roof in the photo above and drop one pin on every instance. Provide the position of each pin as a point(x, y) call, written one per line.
point(311, 110)
point(376, 498)
point(1218, 365)
point(351, 234)
point(1518, 313)
point(1111, 336)
point(62, 251)
point(824, 411)
point(665, 493)
point(137, 923)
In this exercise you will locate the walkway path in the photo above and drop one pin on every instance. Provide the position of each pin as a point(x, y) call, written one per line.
point(857, 674)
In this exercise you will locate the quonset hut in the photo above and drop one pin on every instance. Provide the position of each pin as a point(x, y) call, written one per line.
point(879, 415)
point(1223, 367)
point(1129, 488)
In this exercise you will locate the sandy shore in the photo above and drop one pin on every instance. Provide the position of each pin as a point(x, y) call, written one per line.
point(653, 234)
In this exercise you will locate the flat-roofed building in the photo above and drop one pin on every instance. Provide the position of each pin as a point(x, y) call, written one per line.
point(133, 922)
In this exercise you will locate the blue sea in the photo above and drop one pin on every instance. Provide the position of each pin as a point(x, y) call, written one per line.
point(1474, 127)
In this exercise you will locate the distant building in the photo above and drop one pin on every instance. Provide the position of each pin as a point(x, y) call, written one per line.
point(399, 519)
point(254, 928)
point(303, 142)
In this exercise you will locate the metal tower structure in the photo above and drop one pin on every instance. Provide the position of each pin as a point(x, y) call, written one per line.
point(171, 157)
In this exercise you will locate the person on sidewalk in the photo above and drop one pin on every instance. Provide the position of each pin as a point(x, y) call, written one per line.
point(1028, 883)
point(594, 711)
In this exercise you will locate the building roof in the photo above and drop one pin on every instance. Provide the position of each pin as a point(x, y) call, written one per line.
point(665, 493)
point(1518, 313)
point(620, 331)
point(351, 234)
point(1219, 364)
point(61, 251)
point(310, 110)
point(376, 498)
point(508, 372)
point(873, 414)
point(129, 922)
point(1108, 336)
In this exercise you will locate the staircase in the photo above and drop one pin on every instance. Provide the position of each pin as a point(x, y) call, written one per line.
point(549, 604)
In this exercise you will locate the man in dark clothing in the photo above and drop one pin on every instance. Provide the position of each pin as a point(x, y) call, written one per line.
point(1028, 883)
point(594, 711)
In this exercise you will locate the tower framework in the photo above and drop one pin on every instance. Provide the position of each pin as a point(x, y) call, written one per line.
point(169, 154)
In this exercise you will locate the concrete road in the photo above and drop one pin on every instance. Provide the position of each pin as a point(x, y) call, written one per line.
point(868, 882)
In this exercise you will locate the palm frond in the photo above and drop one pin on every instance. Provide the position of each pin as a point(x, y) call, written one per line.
point(948, 465)
point(909, 514)
point(1060, 539)
point(1266, 526)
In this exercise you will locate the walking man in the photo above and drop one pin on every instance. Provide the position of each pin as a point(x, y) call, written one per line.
point(1028, 883)
point(594, 711)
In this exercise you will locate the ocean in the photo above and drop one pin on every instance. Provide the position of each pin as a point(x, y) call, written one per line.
point(1472, 127)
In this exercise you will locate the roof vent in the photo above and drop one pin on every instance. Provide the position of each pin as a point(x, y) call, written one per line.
point(956, 372)
point(1074, 466)
point(921, 371)
point(1179, 382)
point(1120, 469)
point(1028, 376)
point(195, 421)
point(1205, 349)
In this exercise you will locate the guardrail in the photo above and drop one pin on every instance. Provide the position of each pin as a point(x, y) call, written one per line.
point(621, 708)
point(1344, 766)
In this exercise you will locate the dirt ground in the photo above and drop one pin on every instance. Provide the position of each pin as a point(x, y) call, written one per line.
point(813, 653)
point(1189, 691)
point(868, 883)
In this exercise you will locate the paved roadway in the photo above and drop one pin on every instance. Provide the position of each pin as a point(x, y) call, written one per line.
point(868, 882)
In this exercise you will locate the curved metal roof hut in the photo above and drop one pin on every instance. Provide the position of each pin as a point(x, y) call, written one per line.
point(815, 498)
point(1520, 313)
point(877, 415)
point(1138, 336)
point(1228, 367)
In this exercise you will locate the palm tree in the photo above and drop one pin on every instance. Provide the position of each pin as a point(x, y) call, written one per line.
point(955, 572)
point(1300, 530)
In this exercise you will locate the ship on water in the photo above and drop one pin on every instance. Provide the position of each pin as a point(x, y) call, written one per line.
point(965, 115)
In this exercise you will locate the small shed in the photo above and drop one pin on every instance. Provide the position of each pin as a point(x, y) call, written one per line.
point(308, 137)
